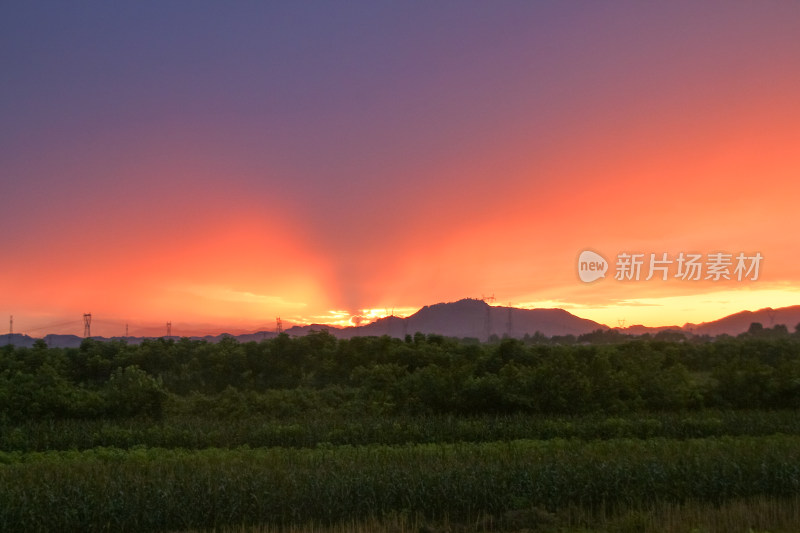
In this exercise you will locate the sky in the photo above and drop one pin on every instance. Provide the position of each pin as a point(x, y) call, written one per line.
point(217, 165)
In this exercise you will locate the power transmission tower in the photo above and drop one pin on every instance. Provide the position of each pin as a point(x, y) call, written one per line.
point(87, 325)
point(509, 324)
point(278, 326)
point(169, 329)
point(488, 315)
point(10, 328)
point(488, 322)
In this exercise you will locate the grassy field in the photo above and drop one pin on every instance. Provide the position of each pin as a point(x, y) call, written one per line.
point(151, 489)
point(176, 430)
point(425, 434)
point(739, 516)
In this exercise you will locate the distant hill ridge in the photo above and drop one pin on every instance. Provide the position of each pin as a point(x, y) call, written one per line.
point(739, 322)
point(469, 318)
point(473, 318)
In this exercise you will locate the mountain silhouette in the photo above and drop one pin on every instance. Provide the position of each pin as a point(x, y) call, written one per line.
point(474, 318)
point(740, 322)
point(468, 318)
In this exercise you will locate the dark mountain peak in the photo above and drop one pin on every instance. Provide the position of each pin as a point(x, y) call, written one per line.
point(465, 304)
point(740, 322)
point(471, 317)
point(303, 330)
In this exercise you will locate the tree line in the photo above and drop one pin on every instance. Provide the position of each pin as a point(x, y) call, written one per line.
point(603, 372)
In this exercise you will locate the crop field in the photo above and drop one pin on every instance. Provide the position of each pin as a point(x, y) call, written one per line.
point(197, 432)
point(158, 489)
point(386, 435)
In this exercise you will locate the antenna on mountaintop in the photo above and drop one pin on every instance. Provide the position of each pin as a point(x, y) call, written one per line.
point(488, 299)
point(278, 326)
point(488, 316)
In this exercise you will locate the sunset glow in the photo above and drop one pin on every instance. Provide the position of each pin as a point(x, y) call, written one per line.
point(222, 167)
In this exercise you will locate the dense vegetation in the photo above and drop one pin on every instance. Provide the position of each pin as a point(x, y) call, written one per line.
point(420, 375)
point(151, 489)
point(187, 434)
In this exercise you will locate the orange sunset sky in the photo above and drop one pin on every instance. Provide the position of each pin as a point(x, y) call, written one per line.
point(218, 166)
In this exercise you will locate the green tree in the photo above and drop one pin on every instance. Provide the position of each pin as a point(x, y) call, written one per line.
point(131, 391)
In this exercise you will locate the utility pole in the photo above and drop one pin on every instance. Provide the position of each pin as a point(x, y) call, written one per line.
point(87, 325)
point(488, 322)
point(488, 315)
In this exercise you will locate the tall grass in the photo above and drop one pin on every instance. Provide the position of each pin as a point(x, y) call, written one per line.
point(157, 489)
point(193, 432)
point(748, 515)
